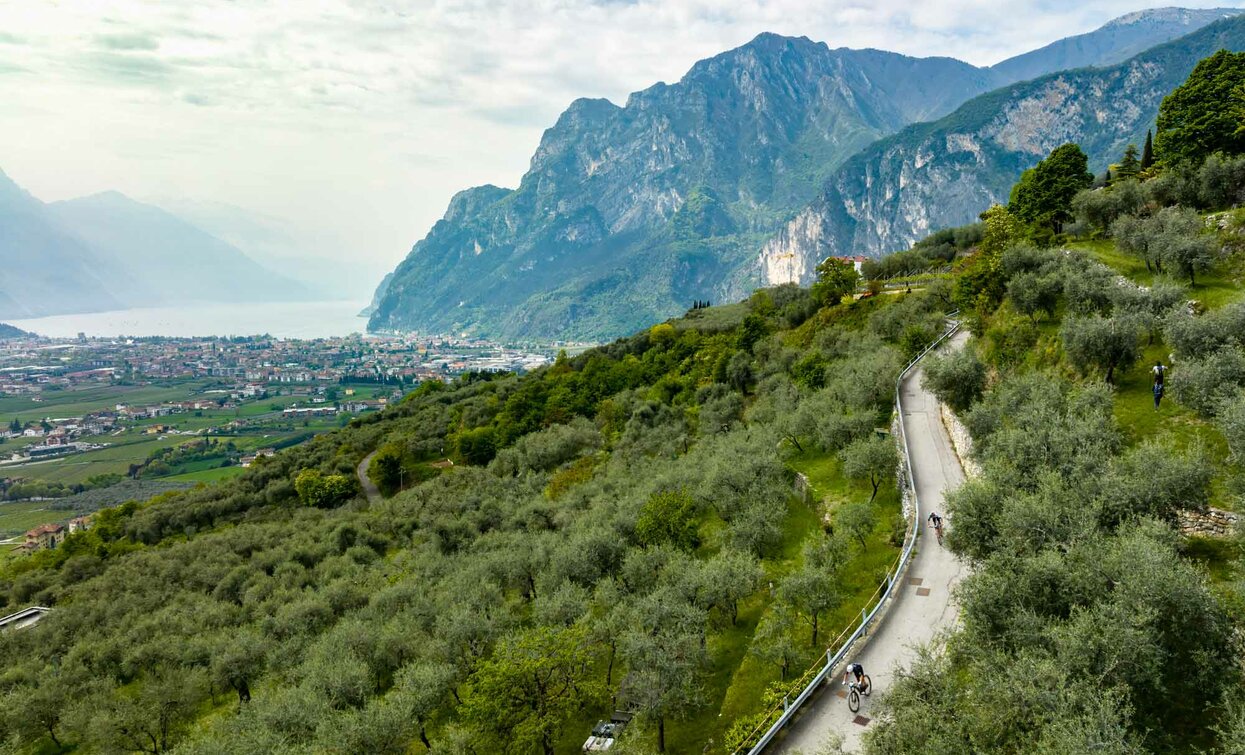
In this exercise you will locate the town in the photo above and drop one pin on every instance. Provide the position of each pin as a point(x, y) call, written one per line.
point(80, 416)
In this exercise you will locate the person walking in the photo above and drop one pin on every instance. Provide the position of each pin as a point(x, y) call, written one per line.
point(1159, 372)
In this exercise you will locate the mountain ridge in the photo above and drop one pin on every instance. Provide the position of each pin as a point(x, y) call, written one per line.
point(106, 251)
point(591, 242)
point(883, 199)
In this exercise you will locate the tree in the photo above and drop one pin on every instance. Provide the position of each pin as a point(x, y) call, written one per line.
point(856, 520)
point(1105, 343)
point(15, 427)
point(835, 279)
point(419, 690)
point(1033, 292)
point(386, 469)
point(1129, 165)
point(873, 459)
point(478, 445)
point(1182, 241)
point(323, 491)
point(237, 660)
point(726, 579)
point(532, 684)
point(666, 657)
point(811, 591)
point(958, 379)
point(1043, 196)
point(774, 641)
point(669, 516)
point(1195, 120)
point(1147, 152)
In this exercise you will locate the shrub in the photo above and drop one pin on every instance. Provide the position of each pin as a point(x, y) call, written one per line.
point(957, 379)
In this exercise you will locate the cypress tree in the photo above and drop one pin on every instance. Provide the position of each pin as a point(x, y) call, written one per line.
point(1147, 152)
point(1128, 167)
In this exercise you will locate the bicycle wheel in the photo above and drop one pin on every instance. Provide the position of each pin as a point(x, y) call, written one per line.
point(853, 700)
point(868, 686)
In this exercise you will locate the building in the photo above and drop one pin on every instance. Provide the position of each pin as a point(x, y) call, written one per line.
point(45, 537)
point(856, 262)
point(79, 524)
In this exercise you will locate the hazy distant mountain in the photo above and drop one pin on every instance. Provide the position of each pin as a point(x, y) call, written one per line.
point(629, 213)
point(108, 252)
point(277, 244)
point(942, 174)
point(1115, 42)
point(44, 269)
point(168, 259)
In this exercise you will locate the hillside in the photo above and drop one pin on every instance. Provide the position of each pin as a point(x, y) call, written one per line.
point(941, 174)
point(627, 214)
point(628, 522)
point(8, 331)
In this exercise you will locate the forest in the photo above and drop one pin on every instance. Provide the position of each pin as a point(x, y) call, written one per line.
point(675, 524)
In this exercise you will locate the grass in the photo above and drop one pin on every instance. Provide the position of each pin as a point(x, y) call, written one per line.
point(207, 475)
point(16, 517)
point(76, 402)
point(1215, 287)
point(858, 581)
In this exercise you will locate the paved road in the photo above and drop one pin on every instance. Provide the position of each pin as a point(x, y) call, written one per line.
point(369, 488)
point(920, 610)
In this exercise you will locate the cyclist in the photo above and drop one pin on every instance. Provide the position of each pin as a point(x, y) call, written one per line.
point(856, 670)
point(936, 521)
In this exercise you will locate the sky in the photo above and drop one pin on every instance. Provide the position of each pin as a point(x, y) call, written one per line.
point(351, 124)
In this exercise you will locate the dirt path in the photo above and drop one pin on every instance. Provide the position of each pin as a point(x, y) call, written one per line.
point(369, 488)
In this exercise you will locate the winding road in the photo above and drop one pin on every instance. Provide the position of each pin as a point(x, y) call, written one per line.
point(369, 488)
point(920, 610)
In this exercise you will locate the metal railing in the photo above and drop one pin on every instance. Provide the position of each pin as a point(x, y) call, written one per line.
point(820, 671)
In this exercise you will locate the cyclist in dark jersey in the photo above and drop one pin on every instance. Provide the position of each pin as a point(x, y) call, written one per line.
point(856, 670)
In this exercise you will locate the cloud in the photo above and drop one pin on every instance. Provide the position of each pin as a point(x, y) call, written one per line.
point(382, 109)
point(131, 41)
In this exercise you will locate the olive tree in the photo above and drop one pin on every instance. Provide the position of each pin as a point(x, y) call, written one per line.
point(1106, 343)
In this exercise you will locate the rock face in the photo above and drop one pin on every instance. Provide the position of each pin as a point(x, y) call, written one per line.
point(627, 214)
point(941, 174)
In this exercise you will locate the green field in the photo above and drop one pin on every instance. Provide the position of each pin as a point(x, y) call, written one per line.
point(75, 403)
point(207, 475)
point(19, 516)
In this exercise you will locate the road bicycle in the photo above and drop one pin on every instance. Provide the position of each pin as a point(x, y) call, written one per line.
point(855, 690)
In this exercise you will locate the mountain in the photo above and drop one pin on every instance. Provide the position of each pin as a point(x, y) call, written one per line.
point(44, 269)
point(160, 258)
point(1114, 42)
point(944, 173)
point(380, 294)
point(627, 214)
point(8, 331)
point(312, 259)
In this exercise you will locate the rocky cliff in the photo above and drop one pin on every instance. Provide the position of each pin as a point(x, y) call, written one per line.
point(944, 173)
point(627, 214)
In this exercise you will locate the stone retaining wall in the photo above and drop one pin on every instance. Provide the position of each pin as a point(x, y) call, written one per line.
point(961, 441)
point(1209, 523)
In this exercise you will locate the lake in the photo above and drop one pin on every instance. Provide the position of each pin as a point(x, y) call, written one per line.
point(280, 319)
